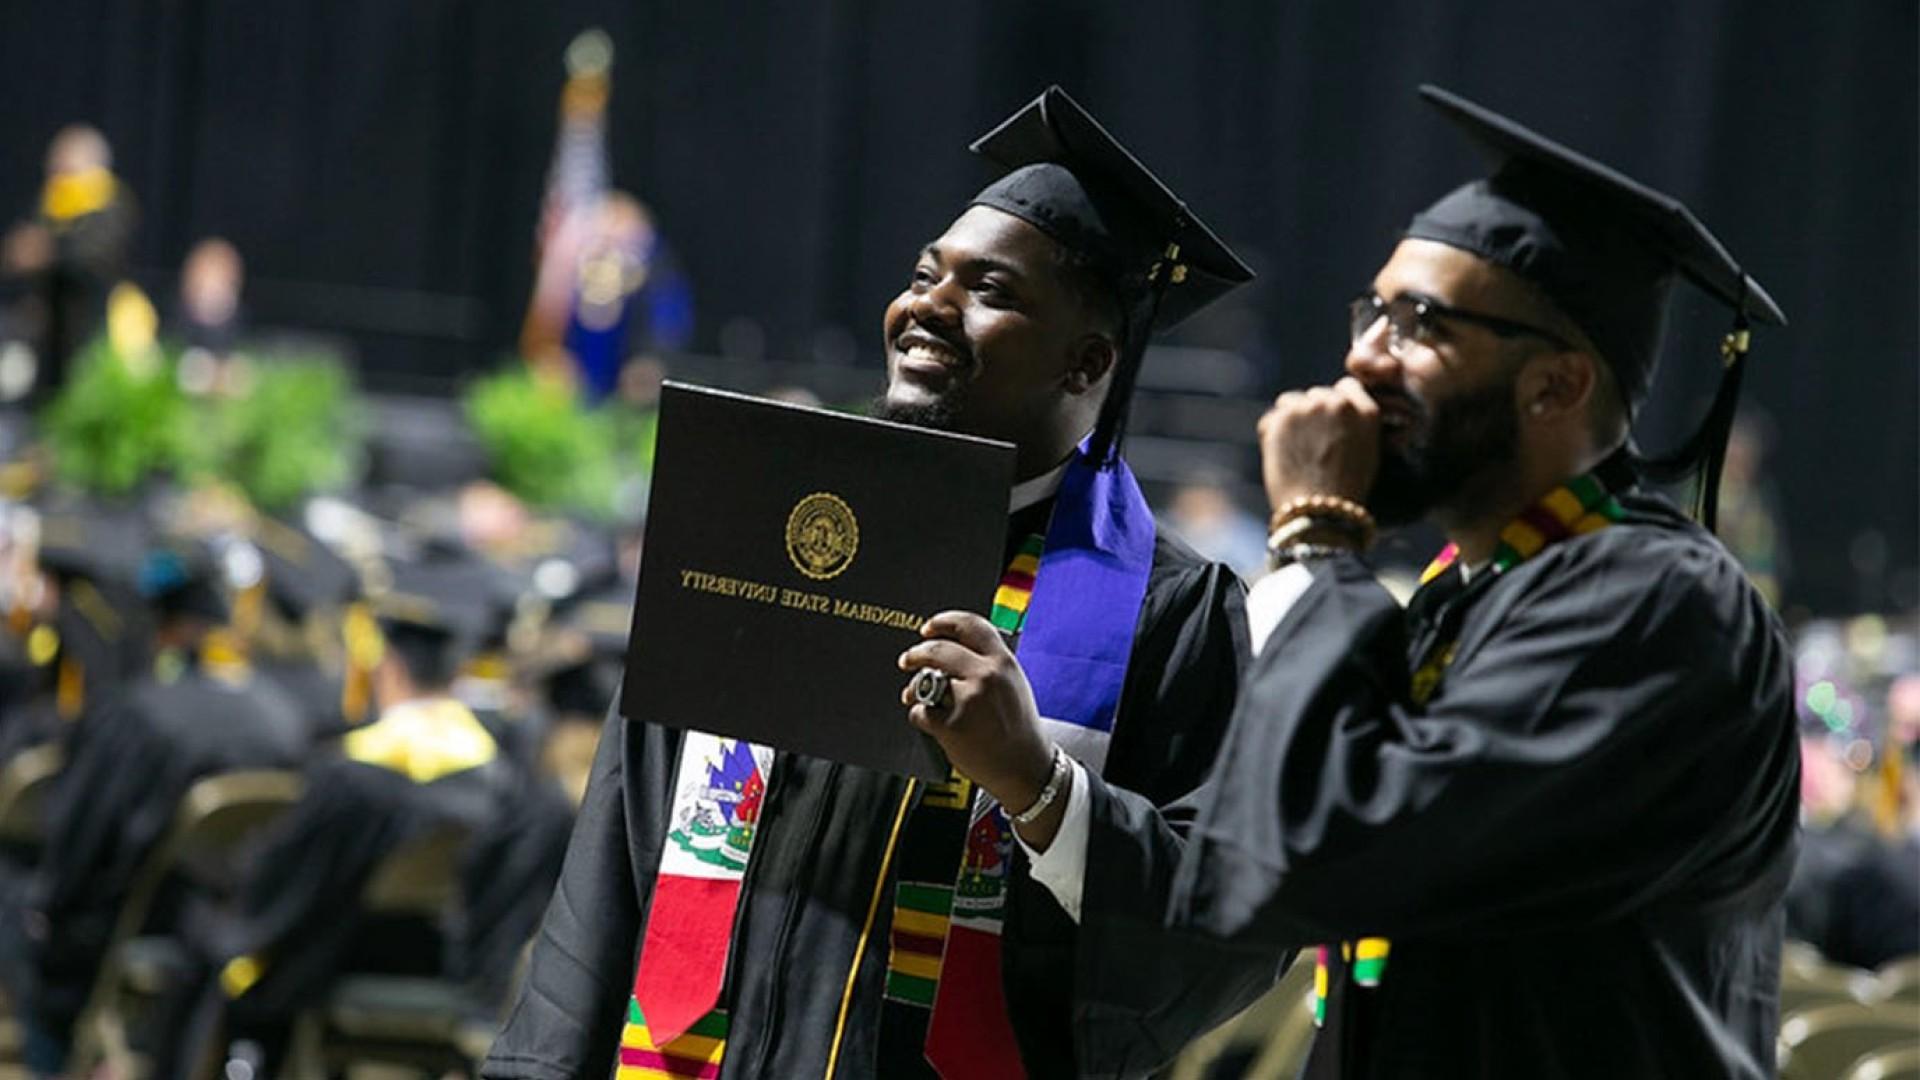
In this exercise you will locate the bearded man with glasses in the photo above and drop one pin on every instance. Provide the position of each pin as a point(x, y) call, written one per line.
point(1541, 822)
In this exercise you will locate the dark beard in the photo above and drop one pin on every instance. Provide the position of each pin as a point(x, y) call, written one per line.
point(941, 414)
point(1462, 437)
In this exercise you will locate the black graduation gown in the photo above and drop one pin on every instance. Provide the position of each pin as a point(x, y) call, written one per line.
point(509, 875)
point(131, 761)
point(314, 690)
point(823, 832)
point(1855, 894)
point(299, 905)
point(296, 909)
point(1578, 846)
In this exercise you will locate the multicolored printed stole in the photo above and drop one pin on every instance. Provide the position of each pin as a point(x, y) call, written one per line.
point(718, 787)
point(1582, 505)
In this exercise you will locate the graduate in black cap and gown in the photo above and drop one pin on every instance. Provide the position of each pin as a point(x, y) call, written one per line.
point(201, 711)
point(847, 923)
point(1539, 823)
point(426, 762)
point(303, 640)
point(90, 555)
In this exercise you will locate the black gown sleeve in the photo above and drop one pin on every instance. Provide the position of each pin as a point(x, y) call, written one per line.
point(1615, 732)
point(102, 820)
point(567, 1019)
point(508, 876)
point(1130, 997)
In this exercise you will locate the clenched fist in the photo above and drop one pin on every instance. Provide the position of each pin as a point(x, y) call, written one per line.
point(1324, 440)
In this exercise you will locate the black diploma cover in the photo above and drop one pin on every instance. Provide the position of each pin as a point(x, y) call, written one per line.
point(790, 556)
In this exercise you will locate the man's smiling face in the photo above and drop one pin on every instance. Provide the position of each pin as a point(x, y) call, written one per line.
point(985, 336)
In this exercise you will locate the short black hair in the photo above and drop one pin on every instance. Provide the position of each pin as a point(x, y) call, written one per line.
point(1092, 284)
point(426, 653)
point(1095, 290)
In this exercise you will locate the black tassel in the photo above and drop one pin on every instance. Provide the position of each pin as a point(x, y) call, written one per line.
point(1110, 430)
point(1703, 455)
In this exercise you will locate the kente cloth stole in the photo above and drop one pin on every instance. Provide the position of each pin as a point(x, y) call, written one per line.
point(952, 822)
point(936, 829)
point(1580, 506)
point(1081, 599)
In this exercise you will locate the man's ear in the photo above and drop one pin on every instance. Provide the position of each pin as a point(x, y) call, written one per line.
point(1555, 384)
point(1093, 357)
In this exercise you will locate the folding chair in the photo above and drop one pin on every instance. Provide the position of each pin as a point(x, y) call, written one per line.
point(1900, 1064)
point(1825, 1042)
point(1271, 1036)
point(24, 782)
point(1811, 983)
point(421, 1022)
point(1899, 980)
point(216, 818)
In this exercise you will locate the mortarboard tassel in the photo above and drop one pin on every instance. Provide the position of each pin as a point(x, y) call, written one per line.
point(1111, 428)
point(364, 649)
point(1705, 452)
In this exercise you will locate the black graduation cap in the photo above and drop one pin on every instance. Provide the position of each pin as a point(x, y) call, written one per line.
point(462, 600)
point(582, 558)
point(104, 543)
point(104, 628)
point(184, 578)
point(584, 656)
point(600, 616)
point(433, 614)
point(1075, 182)
point(1606, 249)
point(303, 574)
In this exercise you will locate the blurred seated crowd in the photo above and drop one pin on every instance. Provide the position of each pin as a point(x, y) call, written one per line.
point(289, 748)
point(289, 754)
point(390, 682)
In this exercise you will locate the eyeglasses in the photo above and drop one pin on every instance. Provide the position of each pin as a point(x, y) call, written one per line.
point(1411, 319)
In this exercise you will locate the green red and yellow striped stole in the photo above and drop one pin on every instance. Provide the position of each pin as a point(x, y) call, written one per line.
point(1580, 506)
point(1010, 600)
point(695, 1054)
point(921, 914)
point(923, 910)
point(1575, 508)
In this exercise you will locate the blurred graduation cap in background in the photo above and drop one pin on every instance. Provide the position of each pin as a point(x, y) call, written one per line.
point(303, 575)
point(583, 674)
point(442, 608)
point(100, 633)
point(185, 579)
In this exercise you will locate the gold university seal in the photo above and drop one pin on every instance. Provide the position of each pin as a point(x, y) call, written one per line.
point(822, 536)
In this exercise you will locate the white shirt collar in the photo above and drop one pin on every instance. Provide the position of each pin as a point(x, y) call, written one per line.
point(1027, 492)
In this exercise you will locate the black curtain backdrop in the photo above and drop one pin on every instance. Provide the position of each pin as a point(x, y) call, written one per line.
point(380, 165)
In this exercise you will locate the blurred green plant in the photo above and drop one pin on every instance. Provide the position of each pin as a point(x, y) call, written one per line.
point(293, 428)
point(297, 429)
point(115, 423)
point(543, 444)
